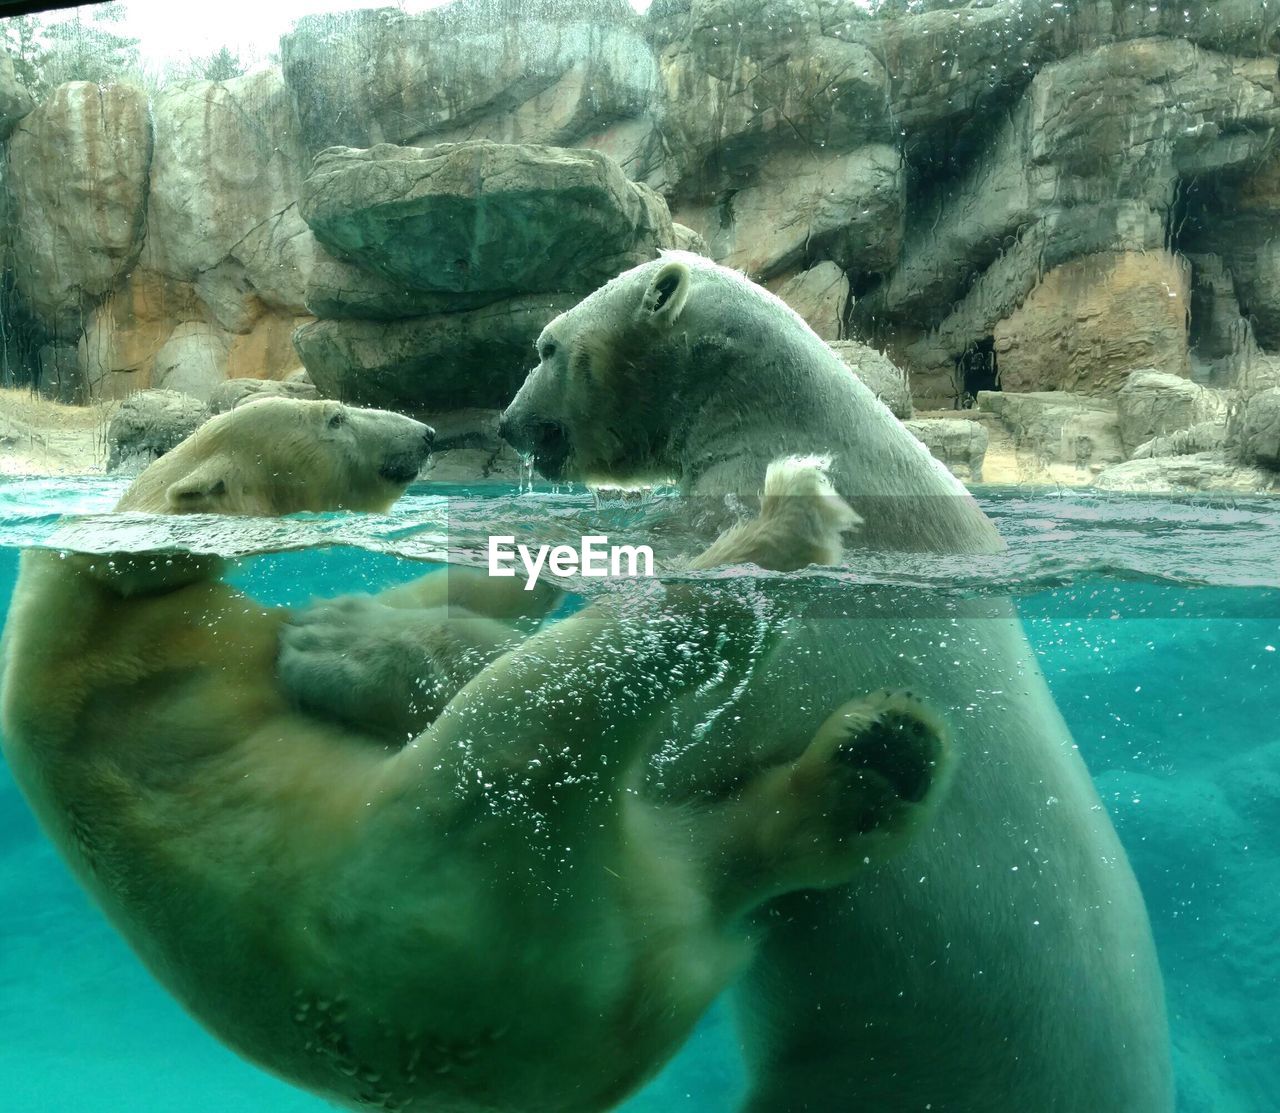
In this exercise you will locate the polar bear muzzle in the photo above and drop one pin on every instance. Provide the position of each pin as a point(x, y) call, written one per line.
point(547, 442)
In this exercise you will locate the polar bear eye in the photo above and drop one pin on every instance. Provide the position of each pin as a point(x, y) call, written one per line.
point(547, 350)
point(337, 420)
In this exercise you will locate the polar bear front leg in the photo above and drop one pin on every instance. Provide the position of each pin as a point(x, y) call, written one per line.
point(387, 664)
point(383, 670)
point(872, 775)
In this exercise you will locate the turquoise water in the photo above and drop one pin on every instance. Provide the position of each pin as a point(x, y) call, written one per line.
point(1157, 623)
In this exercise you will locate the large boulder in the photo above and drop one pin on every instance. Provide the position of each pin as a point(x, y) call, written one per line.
point(743, 76)
point(958, 442)
point(878, 372)
point(1260, 429)
point(482, 217)
point(820, 295)
point(222, 209)
point(1153, 403)
point(1090, 322)
point(1058, 427)
point(551, 73)
point(148, 424)
point(78, 180)
point(1088, 161)
point(475, 358)
point(192, 361)
point(339, 289)
point(1203, 471)
point(805, 205)
point(235, 392)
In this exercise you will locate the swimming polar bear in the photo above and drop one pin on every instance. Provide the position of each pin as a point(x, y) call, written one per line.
point(1004, 962)
point(487, 918)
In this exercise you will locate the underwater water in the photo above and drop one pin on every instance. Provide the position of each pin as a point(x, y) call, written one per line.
point(1157, 624)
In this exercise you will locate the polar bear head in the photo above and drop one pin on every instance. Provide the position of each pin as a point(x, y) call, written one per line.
point(285, 455)
point(625, 374)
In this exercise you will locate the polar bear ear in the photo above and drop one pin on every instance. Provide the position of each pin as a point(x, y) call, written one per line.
point(668, 291)
point(203, 491)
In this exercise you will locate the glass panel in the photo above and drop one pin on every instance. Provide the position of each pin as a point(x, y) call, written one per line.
point(1039, 237)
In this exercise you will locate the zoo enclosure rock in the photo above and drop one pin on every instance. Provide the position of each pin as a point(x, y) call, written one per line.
point(958, 442)
point(1059, 428)
point(1152, 403)
point(473, 358)
point(227, 396)
point(1088, 161)
point(820, 295)
point(438, 268)
point(484, 218)
point(1260, 429)
point(1018, 177)
point(15, 100)
point(221, 206)
point(77, 174)
point(1202, 471)
point(148, 424)
point(536, 73)
point(1092, 320)
point(878, 372)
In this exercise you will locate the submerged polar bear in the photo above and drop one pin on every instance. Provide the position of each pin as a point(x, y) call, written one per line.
point(1005, 962)
point(487, 918)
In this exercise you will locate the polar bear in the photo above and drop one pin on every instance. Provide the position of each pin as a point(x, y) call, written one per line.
point(489, 917)
point(1005, 961)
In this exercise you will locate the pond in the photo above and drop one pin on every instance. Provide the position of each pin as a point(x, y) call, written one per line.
point(1155, 621)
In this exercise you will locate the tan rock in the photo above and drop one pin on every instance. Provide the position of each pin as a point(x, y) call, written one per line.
point(959, 443)
point(120, 340)
point(879, 373)
point(803, 205)
point(1091, 321)
point(266, 351)
point(225, 180)
point(1057, 434)
point(78, 179)
point(820, 295)
point(193, 361)
point(1155, 403)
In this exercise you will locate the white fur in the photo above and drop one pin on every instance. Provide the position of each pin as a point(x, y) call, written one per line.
point(1004, 964)
point(488, 918)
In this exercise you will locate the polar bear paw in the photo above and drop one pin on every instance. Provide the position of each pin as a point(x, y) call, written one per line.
point(872, 774)
point(358, 662)
point(802, 521)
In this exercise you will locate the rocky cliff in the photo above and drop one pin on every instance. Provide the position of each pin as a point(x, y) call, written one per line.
point(1008, 197)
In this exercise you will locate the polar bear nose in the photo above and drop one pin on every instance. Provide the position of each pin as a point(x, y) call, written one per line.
point(428, 437)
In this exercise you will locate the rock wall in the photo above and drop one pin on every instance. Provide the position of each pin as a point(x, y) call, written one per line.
point(1023, 195)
